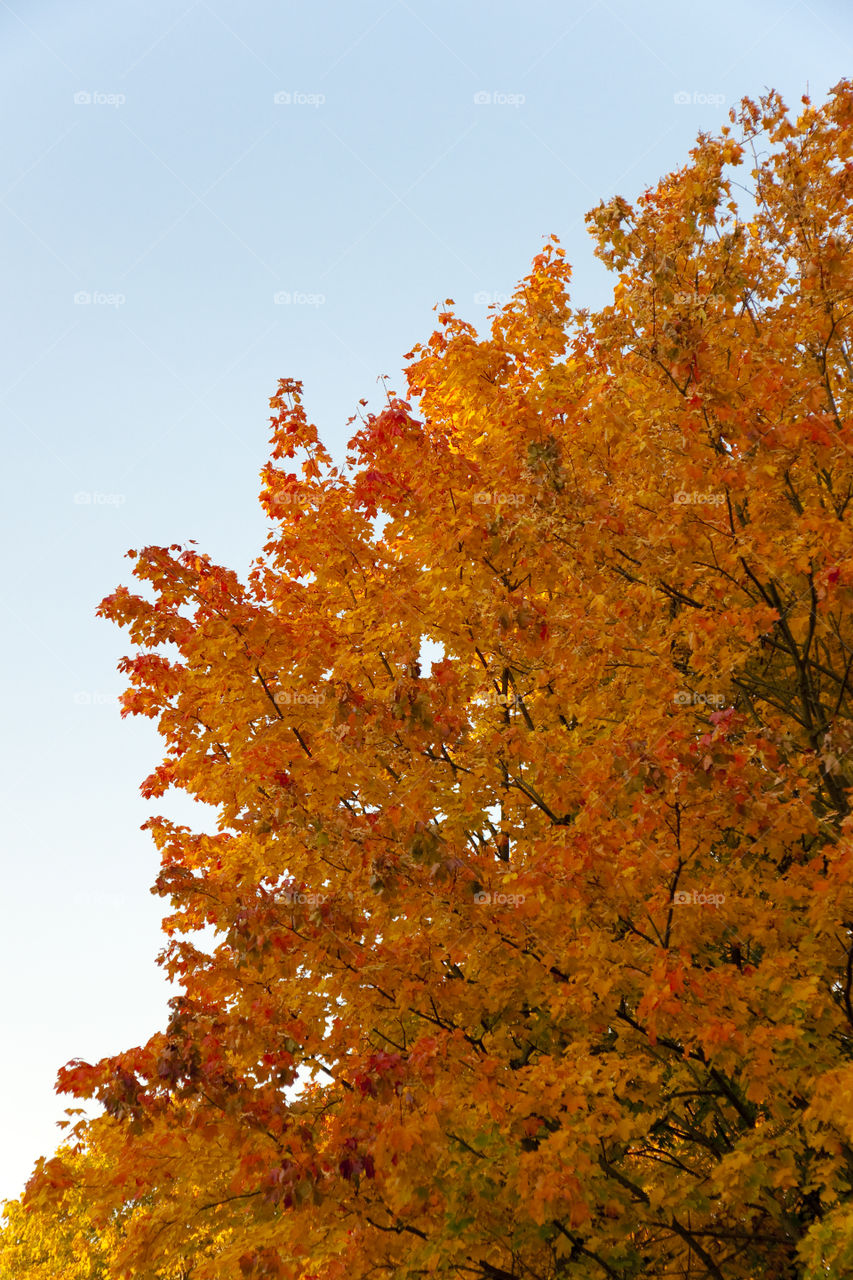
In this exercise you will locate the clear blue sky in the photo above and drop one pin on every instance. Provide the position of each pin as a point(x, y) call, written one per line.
point(147, 165)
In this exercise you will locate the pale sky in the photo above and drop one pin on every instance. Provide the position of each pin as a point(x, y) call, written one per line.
point(168, 170)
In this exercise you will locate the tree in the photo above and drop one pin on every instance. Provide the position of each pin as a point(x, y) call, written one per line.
point(563, 928)
point(77, 1240)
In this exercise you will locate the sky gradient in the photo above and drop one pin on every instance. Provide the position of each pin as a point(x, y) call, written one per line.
point(196, 200)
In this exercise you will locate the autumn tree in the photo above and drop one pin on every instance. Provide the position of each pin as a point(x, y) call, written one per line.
point(79, 1240)
point(562, 926)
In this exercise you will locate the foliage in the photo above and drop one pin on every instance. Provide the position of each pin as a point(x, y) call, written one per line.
point(563, 928)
